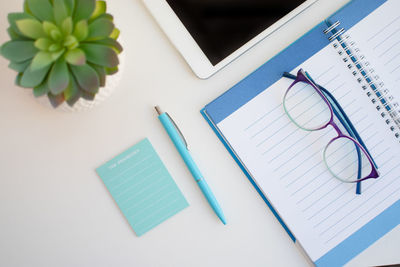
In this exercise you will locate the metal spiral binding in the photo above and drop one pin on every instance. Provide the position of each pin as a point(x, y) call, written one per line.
point(370, 82)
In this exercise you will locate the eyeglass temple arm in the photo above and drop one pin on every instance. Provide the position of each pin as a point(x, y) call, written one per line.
point(342, 114)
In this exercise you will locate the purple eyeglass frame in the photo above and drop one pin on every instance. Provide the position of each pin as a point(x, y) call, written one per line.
point(302, 77)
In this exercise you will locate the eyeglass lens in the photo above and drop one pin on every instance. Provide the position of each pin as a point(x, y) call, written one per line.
point(305, 107)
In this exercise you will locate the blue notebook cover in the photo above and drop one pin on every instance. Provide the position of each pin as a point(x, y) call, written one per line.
point(269, 73)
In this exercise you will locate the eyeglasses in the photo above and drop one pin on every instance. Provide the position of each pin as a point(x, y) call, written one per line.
point(307, 106)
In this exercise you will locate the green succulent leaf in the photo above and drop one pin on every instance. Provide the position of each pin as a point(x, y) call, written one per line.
point(67, 26)
point(55, 55)
point(81, 30)
point(100, 72)
point(42, 89)
point(18, 79)
point(71, 42)
point(20, 67)
point(84, 9)
point(26, 8)
point(86, 77)
point(14, 17)
point(75, 57)
point(56, 35)
point(54, 47)
point(100, 9)
point(41, 60)
point(55, 100)
point(106, 16)
point(31, 78)
point(58, 77)
point(87, 95)
point(18, 51)
point(110, 43)
point(41, 9)
point(100, 28)
point(100, 54)
point(111, 71)
point(30, 28)
point(70, 4)
point(48, 27)
point(43, 44)
point(60, 11)
point(71, 102)
point(115, 34)
point(14, 35)
point(72, 91)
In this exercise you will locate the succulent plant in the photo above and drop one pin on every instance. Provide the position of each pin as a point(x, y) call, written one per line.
point(62, 48)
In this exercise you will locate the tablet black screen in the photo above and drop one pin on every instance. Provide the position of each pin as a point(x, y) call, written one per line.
point(221, 26)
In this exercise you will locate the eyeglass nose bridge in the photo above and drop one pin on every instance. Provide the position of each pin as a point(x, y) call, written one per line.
point(336, 127)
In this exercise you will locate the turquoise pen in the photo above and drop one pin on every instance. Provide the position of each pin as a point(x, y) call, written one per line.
point(180, 143)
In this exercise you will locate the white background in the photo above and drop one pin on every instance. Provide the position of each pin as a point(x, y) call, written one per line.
point(55, 210)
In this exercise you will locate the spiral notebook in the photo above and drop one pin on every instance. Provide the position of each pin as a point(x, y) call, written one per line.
point(355, 54)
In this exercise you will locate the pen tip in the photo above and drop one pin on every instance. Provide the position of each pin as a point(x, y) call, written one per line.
point(158, 109)
point(222, 218)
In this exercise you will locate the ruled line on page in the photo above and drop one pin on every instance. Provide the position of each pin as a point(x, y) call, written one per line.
point(143, 199)
point(143, 184)
point(391, 59)
point(389, 49)
point(330, 190)
point(387, 38)
point(138, 184)
point(155, 213)
point(335, 201)
point(357, 207)
point(369, 210)
point(130, 168)
point(123, 182)
point(322, 184)
point(382, 29)
point(396, 68)
point(364, 203)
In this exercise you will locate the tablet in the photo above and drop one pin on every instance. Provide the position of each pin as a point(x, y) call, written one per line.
point(211, 33)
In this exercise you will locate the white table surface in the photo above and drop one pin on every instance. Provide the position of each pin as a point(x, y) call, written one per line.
point(55, 210)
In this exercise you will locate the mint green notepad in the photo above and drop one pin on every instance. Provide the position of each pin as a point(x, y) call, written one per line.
point(142, 187)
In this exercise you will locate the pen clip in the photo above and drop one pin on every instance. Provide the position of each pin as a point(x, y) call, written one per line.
point(179, 131)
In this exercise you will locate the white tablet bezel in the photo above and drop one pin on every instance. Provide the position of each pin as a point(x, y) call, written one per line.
point(189, 49)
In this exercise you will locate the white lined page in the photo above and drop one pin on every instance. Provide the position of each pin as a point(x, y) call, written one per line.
point(378, 38)
point(286, 162)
